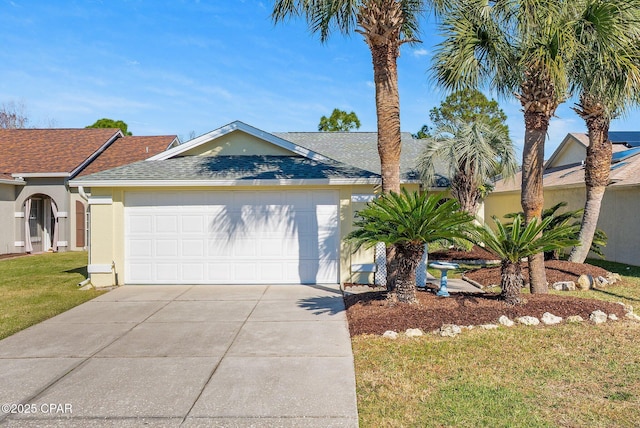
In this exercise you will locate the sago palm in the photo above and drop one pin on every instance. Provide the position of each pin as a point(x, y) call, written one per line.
point(408, 221)
point(515, 241)
point(514, 47)
point(607, 74)
point(475, 153)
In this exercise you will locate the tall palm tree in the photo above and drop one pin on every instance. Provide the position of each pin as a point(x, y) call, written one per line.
point(408, 221)
point(515, 47)
point(385, 26)
point(475, 153)
point(607, 72)
point(515, 241)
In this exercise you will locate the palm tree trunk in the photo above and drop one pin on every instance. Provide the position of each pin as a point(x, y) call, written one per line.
point(385, 75)
point(539, 102)
point(511, 282)
point(408, 258)
point(596, 173)
point(381, 24)
point(532, 197)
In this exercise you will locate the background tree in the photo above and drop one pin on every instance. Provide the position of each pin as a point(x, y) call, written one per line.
point(408, 221)
point(110, 123)
point(13, 116)
point(467, 106)
point(474, 154)
point(339, 121)
point(520, 47)
point(608, 76)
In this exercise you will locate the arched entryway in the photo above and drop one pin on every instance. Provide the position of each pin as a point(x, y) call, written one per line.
point(41, 224)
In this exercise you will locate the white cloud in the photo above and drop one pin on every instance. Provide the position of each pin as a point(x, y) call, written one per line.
point(420, 52)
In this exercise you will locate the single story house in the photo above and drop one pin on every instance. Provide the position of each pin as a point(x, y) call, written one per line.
point(239, 205)
point(38, 210)
point(564, 181)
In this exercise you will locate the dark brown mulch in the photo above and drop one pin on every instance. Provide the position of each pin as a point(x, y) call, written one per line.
point(476, 253)
point(370, 313)
point(556, 270)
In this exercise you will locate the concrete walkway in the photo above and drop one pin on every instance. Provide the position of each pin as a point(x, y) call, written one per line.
point(214, 356)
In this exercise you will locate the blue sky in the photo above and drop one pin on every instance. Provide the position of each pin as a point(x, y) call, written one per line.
point(187, 67)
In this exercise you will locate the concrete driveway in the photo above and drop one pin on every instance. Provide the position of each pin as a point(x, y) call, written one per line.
point(220, 356)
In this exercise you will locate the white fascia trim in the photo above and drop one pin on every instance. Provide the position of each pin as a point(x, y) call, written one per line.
point(212, 183)
point(100, 200)
point(14, 182)
point(97, 153)
point(40, 174)
point(239, 126)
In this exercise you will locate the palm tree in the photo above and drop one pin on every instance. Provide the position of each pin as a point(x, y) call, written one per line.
point(515, 47)
point(407, 221)
point(608, 75)
point(515, 241)
point(475, 154)
point(385, 25)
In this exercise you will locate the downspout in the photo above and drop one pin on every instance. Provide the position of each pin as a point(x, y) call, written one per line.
point(84, 196)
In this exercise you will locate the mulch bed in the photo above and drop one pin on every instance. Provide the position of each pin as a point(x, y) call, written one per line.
point(371, 313)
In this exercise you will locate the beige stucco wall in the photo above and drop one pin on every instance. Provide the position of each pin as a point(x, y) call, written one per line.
point(237, 143)
point(618, 215)
point(570, 152)
point(7, 214)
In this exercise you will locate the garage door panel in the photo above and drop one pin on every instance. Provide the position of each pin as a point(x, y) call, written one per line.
point(166, 248)
point(232, 237)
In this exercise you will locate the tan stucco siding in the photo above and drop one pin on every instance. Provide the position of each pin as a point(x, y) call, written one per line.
point(7, 214)
point(102, 237)
point(237, 143)
point(618, 216)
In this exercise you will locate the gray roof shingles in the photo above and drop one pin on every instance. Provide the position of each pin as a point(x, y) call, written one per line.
point(231, 168)
point(359, 149)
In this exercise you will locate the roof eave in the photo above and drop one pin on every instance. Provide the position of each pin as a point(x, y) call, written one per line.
point(222, 183)
point(239, 126)
point(41, 174)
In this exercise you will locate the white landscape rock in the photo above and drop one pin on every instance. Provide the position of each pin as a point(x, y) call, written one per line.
point(450, 330)
point(413, 332)
point(505, 321)
point(613, 317)
point(584, 282)
point(528, 320)
point(550, 319)
point(632, 316)
point(598, 317)
point(575, 319)
point(488, 326)
point(564, 286)
point(390, 334)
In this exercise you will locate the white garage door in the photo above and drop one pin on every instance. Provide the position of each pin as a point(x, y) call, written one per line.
point(231, 237)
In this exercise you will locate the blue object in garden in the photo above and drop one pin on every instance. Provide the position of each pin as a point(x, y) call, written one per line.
point(443, 267)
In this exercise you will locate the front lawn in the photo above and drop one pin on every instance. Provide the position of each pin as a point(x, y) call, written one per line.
point(567, 375)
point(35, 288)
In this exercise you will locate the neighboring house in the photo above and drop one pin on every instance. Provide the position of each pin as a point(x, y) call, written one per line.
point(238, 205)
point(38, 210)
point(564, 181)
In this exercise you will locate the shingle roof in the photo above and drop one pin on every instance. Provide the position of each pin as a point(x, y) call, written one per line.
point(623, 173)
point(49, 150)
point(230, 168)
point(128, 150)
point(359, 149)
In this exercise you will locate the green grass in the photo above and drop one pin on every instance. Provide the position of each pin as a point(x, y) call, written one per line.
point(563, 376)
point(35, 288)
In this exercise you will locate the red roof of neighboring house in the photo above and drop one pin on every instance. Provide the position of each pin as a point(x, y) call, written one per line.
point(49, 150)
point(127, 150)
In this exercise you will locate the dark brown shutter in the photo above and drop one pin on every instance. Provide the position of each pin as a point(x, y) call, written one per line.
point(80, 228)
